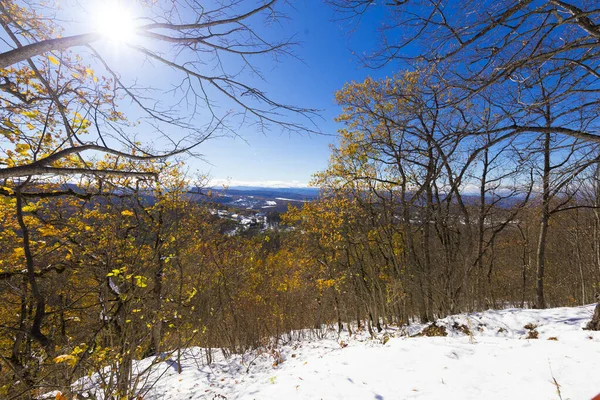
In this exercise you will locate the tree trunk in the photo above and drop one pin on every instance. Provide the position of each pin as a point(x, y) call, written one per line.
point(578, 259)
point(157, 290)
point(597, 216)
point(426, 240)
point(40, 302)
point(544, 219)
point(541, 261)
point(525, 262)
point(594, 324)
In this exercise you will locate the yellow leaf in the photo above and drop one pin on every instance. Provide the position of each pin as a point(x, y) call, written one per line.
point(65, 358)
point(114, 272)
point(140, 281)
point(126, 213)
point(19, 252)
point(22, 148)
point(53, 60)
point(30, 208)
point(78, 350)
point(30, 114)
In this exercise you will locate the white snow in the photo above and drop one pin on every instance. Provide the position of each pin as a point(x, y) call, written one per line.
point(286, 199)
point(270, 203)
point(497, 361)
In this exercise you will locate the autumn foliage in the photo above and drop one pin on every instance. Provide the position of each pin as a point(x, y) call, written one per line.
point(429, 206)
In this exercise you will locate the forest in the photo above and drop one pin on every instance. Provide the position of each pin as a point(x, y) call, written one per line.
point(468, 180)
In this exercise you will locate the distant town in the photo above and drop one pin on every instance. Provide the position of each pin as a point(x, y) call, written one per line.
point(255, 208)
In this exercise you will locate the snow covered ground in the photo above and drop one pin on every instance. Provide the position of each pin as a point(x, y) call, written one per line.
point(486, 355)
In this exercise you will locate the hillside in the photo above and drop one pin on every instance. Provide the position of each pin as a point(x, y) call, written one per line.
point(487, 355)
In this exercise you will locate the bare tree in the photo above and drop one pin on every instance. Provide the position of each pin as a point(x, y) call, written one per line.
point(493, 44)
point(206, 55)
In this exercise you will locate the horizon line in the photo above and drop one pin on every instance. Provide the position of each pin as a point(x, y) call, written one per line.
point(273, 184)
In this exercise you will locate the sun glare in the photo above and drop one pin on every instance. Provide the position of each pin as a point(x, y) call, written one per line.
point(114, 21)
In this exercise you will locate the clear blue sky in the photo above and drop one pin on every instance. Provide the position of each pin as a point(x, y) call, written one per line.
point(327, 63)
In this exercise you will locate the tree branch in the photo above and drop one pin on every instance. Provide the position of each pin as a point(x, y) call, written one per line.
point(35, 49)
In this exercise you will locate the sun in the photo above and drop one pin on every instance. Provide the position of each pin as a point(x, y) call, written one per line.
point(113, 20)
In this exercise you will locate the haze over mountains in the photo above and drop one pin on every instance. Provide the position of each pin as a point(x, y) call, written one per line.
point(262, 198)
point(257, 197)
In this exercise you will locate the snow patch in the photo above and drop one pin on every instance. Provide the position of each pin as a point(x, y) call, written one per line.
point(492, 359)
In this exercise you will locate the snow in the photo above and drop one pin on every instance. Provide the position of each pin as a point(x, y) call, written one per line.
point(495, 361)
point(286, 199)
point(270, 203)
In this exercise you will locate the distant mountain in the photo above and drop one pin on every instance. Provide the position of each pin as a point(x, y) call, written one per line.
point(303, 194)
point(277, 199)
point(260, 199)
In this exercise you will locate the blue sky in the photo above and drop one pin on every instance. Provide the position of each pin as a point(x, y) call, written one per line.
point(324, 63)
point(282, 159)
